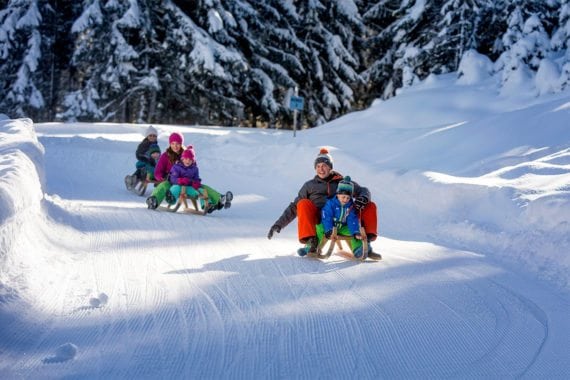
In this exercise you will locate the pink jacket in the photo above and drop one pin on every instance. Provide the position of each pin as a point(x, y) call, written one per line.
point(162, 168)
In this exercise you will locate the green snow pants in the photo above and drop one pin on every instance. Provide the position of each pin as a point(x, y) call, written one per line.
point(344, 231)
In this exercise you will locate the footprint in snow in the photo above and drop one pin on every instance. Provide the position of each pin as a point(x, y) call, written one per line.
point(63, 353)
point(99, 301)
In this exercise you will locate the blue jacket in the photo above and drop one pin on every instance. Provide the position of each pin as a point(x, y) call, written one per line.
point(334, 214)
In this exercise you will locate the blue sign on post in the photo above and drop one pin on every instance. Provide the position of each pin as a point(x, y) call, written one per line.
point(296, 103)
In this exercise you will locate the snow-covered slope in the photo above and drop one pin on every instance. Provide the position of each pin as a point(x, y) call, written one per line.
point(473, 195)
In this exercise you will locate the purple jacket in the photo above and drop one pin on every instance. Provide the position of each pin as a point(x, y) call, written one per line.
point(185, 175)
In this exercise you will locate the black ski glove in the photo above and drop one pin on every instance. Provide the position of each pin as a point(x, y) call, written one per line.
point(360, 202)
point(328, 234)
point(272, 230)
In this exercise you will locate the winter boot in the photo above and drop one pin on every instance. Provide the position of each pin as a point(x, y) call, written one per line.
point(151, 202)
point(310, 247)
point(212, 208)
point(313, 244)
point(227, 199)
point(358, 252)
point(141, 174)
point(373, 255)
point(129, 182)
point(170, 198)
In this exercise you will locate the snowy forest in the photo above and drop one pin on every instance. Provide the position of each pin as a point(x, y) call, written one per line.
point(238, 62)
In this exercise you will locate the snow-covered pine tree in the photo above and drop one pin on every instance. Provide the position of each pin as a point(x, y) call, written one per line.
point(198, 82)
point(20, 56)
point(458, 29)
point(526, 41)
point(264, 32)
point(333, 32)
point(379, 51)
point(560, 43)
point(406, 38)
point(114, 63)
point(81, 100)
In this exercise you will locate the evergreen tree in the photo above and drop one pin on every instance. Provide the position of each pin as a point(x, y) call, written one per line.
point(403, 43)
point(266, 36)
point(333, 34)
point(458, 33)
point(114, 63)
point(199, 72)
point(525, 41)
point(20, 55)
point(561, 42)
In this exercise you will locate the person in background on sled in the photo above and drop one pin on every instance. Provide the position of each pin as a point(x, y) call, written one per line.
point(340, 212)
point(312, 197)
point(162, 170)
point(143, 158)
point(186, 173)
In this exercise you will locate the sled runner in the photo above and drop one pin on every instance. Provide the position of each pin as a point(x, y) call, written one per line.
point(140, 189)
point(136, 186)
point(336, 240)
point(183, 202)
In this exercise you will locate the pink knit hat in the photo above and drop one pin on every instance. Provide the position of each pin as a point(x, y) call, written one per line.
point(175, 137)
point(189, 153)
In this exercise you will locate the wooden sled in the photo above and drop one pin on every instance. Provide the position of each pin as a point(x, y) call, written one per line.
point(336, 240)
point(140, 187)
point(183, 202)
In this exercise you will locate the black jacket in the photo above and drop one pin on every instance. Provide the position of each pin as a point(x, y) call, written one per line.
point(318, 191)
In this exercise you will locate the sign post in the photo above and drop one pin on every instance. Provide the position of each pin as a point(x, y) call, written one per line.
point(296, 104)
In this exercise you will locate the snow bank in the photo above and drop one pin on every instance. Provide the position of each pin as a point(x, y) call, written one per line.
point(21, 174)
point(21, 167)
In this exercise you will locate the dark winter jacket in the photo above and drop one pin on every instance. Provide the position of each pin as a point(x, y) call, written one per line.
point(333, 214)
point(318, 191)
point(142, 150)
point(184, 175)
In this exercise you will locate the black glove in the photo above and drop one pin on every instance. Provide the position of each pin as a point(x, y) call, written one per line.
point(272, 230)
point(360, 202)
point(328, 234)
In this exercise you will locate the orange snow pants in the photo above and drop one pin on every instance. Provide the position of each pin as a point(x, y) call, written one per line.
point(308, 216)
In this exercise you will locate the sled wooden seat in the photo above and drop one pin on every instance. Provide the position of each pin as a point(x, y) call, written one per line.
point(336, 240)
point(183, 201)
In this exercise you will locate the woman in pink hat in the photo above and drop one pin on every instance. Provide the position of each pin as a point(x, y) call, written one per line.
point(164, 171)
point(170, 156)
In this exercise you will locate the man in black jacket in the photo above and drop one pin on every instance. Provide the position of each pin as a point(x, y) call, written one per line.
point(312, 197)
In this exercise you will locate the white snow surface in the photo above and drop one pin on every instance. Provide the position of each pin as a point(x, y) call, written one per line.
point(473, 192)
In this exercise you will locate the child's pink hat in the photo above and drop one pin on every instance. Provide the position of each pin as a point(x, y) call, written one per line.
point(189, 153)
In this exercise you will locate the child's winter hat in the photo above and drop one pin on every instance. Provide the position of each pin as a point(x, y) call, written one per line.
point(176, 137)
point(325, 157)
point(154, 148)
point(151, 131)
point(189, 153)
point(345, 186)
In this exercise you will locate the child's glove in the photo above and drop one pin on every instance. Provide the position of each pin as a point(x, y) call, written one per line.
point(360, 202)
point(183, 181)
point(328, 234)
point(196, 184)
